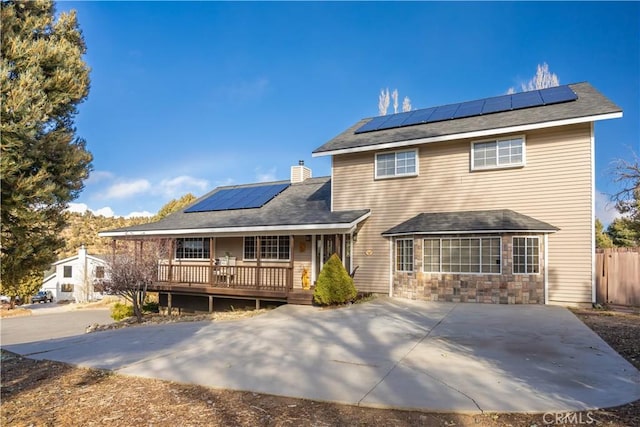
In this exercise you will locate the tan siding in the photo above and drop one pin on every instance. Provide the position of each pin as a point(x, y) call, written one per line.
point(554, 186)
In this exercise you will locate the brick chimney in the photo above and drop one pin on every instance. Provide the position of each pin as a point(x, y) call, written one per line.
point(300, 172)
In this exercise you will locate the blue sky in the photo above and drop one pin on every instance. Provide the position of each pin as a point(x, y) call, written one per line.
point(186, 96)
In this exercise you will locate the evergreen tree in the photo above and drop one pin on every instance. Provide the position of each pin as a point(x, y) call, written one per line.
point(175, 205)
point(44, 164)
point(602, 239)
point(622, 233)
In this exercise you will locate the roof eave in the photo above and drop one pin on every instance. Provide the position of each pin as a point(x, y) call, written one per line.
point(473, 134)
point(345, 227)
point(411, 233)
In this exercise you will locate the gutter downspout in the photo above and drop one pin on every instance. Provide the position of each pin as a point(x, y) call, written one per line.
point(546, 269)
point(391, 267)
point(593, 217)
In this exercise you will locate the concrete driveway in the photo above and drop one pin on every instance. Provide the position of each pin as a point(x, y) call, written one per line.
point(386, 353)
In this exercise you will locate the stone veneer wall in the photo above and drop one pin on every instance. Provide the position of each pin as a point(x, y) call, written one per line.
point(505, 288)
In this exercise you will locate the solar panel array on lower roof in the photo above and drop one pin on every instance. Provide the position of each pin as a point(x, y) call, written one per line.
point(496, 104)
point(239, 198)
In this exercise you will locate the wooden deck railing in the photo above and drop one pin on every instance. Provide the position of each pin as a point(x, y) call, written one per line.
point(237, 277)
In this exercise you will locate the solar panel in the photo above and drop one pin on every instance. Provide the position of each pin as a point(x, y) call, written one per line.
point(419, 116)
point(372, 124)
point(497, 104)
point(479, 107)
point(444, 112)
point(555, 95)
point(239, 198)
point(396, 120)
point(526, 99)
point(468, 109)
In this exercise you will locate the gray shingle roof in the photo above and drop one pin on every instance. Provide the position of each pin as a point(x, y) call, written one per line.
point(470, 221)
point(301, 204)
point(590, 102)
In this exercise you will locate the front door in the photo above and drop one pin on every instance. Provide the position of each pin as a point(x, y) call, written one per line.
point(327, 245)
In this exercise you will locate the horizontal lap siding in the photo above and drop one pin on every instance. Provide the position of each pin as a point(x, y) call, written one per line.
point(554, 186)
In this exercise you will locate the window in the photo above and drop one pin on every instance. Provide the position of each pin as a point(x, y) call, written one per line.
point(99, 272)
point(404, 255)
point(66, 287)
point(399, 163)
point(272, 248)
point(497, 154)
point(192, 248)
point(68, 271)
point(462, 255)
point(526, 255)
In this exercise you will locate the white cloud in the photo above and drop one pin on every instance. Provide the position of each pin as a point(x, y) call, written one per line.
point(145, 214)
point(106, 211)
point(97, 176)
point(267, 176)
point(605, 210)
point(82, 208)
point(180, 185)
point(123, 190)
point(77, 208)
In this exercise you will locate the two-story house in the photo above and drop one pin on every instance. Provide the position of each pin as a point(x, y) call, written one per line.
point(482, 201)
point(73, 278)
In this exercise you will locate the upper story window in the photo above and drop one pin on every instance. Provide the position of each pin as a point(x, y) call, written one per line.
point(397, 163)
point(67, 271)
point(500, 153)
point(192, 248)
point(272, 248)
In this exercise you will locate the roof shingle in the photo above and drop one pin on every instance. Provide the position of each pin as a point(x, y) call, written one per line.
point(502, 220)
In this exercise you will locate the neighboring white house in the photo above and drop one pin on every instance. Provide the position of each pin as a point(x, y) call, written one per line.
point(73, 279)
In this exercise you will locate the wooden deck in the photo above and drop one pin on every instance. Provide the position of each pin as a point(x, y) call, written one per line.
point(274, 283)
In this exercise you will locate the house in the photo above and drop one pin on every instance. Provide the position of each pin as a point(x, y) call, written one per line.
point(73, 278)
point(483, 201)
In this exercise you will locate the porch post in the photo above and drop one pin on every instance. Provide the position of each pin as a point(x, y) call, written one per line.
point(258, 263)
point(212, 254)
point(172, 246)
point(291, 261)
point(210, 303)
point(169, 303)
point(113, 249)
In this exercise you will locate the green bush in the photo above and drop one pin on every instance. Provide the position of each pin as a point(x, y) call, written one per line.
point(121, 311)
point(151, 307)
point(334, 285)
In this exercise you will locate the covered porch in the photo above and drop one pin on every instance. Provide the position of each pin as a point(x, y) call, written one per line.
point(226, 246)
point(199, 271)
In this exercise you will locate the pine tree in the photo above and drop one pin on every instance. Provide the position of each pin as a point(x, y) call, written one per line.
point(175, 205)
point(44, 164)
point(602, 239)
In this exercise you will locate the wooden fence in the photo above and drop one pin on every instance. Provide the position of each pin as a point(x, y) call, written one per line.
point(618, 276)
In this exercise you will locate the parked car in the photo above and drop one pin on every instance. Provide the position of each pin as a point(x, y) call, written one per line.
point(42, 296)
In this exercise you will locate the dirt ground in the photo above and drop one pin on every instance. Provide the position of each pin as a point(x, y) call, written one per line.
point(46, 393)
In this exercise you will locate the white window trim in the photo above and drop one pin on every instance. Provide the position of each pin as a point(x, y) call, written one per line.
point(265, 259)
point(395, 175)
point(413, 263)
point(513, 265)
point(497, 140)
point(469, 273)
point(175, 254)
